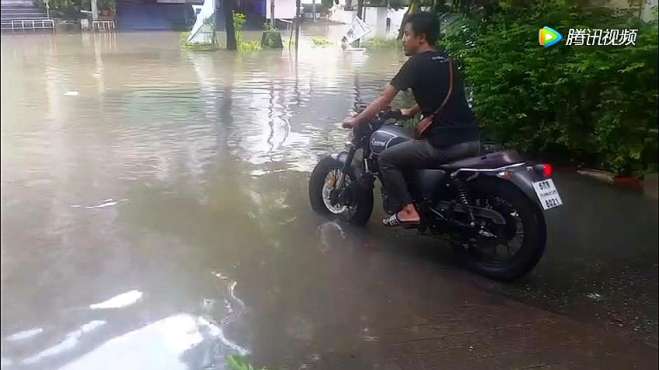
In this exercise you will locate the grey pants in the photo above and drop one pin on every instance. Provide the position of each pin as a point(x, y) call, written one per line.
point(419, 154)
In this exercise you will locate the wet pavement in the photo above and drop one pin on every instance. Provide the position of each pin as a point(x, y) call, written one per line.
point(155, 216)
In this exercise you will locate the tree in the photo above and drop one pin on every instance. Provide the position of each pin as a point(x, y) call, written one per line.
point(394, 4)
point(228, 24)
point(411, 9)
point(465, 7)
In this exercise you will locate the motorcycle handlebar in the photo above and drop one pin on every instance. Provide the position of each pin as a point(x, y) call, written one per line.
point(385, 115)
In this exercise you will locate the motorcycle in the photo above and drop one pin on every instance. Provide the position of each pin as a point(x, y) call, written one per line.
point(490, 206)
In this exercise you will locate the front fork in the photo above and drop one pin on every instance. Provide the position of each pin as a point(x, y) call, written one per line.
point(346, 165)
point(338, 194)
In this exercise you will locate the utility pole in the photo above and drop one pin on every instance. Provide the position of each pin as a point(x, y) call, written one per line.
point(388, 20)
point(297, 24)
point(272, 14)
point(360, 9)
point(313, 9)
point(94, 10)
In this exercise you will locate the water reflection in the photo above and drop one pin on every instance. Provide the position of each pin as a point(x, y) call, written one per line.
point(25, 334)
point(331, 234)
point(128, 162)
point(119, 301)
point(160, 345)
point(70, 342)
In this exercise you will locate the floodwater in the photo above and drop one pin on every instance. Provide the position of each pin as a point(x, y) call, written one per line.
point(155, 216)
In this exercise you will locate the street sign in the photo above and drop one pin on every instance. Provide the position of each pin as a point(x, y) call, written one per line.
point(357, 30)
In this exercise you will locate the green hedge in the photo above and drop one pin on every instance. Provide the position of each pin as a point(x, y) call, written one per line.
point(593, 105)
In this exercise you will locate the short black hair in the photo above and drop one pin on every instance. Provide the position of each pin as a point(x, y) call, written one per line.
point(426, 23)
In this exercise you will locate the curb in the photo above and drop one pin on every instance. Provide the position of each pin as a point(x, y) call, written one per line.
point(602, 176)
point(647, 185)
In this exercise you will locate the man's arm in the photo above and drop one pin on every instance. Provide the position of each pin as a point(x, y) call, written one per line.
point(373, 109)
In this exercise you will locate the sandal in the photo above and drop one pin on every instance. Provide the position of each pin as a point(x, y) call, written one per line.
point(393, 221)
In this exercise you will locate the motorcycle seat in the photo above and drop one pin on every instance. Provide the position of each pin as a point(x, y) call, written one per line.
point(485, 161)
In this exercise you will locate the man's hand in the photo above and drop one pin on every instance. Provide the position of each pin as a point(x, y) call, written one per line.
point(372, 110)
point(410, 112)
point(349, 122)
point(406, 112)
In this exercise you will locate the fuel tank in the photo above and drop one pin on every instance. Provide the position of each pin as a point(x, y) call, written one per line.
point(388, 136)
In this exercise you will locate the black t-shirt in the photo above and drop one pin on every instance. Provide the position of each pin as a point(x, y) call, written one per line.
point(427, 74)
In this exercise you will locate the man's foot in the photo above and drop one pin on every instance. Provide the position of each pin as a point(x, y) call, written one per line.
point(409, 214)
point(394, 220)
point(406, 216)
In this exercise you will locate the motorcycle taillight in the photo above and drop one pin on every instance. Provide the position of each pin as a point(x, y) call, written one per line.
point(546, 169)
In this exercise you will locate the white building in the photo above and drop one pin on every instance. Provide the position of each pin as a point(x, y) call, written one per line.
point(284, 9)
point(383, 22)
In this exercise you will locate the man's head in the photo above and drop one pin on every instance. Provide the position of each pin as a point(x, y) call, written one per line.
point(421, 31)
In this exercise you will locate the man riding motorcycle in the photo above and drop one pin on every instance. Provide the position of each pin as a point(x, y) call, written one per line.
point(448, 131)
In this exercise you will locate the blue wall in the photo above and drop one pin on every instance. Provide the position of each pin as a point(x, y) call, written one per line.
point(150, 15)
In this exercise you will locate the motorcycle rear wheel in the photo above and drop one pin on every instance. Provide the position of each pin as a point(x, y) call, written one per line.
point(525, 225)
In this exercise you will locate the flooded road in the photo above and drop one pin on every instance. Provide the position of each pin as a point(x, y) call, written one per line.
point(155, 216)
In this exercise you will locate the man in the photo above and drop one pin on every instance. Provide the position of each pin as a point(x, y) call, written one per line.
point(453, 133)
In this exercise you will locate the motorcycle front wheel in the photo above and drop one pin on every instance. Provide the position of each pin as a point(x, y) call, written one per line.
point(357, 204)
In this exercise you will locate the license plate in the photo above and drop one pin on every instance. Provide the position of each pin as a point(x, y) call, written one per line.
point(547, 193)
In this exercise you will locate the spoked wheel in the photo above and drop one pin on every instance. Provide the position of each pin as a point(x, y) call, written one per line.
point(506, 240)
point(331, 194)
point(347, 201)
point(509, 250)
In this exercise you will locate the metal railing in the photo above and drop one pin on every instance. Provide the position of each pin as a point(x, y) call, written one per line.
point(30, 24)
point(103, 25)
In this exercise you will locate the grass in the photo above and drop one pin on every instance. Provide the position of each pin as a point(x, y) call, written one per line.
point(380, 43)
point(248, 46)
point(244, 46)
point(240, 363)
point(321, 42)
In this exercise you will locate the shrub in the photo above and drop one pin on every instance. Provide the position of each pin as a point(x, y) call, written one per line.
point(244, 46)
point(592, 104)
